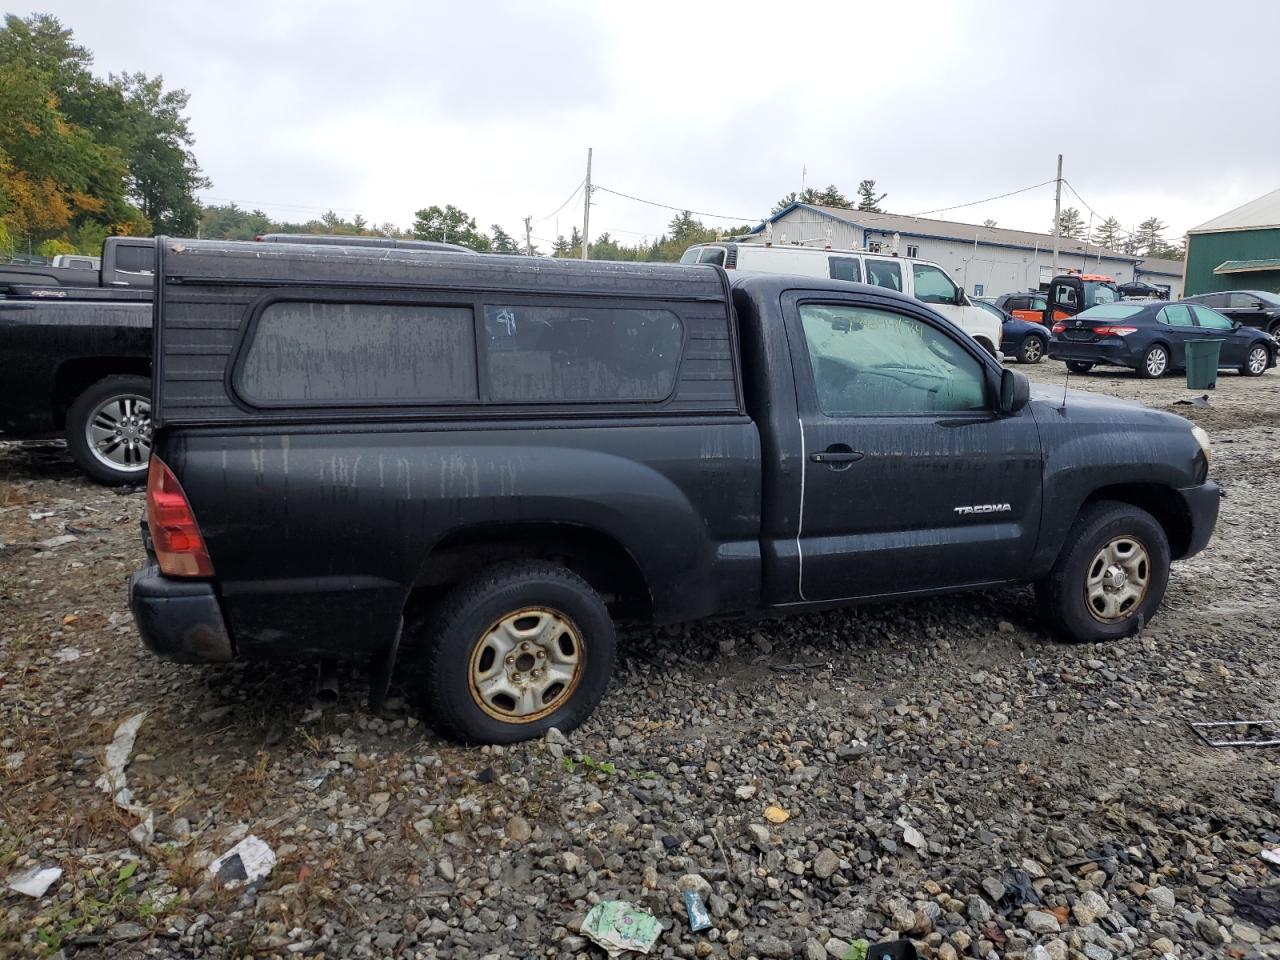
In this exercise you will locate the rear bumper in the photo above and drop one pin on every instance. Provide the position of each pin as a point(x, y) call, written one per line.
point(179, 619)
point(1201, 503)
point(1110, 352)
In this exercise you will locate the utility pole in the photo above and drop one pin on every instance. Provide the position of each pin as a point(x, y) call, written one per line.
point(528, 239)
point(1057, 214)
point(586, 209)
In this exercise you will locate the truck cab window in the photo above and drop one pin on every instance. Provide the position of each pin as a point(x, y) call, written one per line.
point(885, 273)
point(932, 285)
point(133, 259)
point(876, 363)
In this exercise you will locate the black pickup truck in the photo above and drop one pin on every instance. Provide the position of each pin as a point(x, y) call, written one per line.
point(478, 463)
point(75, 351)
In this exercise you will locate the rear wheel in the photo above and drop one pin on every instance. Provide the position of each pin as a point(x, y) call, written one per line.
point(1255, 363)
point(1110, 577)
point(1032, 349)
point(1155, 362)
point(109, 430)
point(1079, 366)
point(519, 649)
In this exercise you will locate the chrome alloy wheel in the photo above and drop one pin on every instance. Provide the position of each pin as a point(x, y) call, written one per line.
point(1258, 357)
point(119, 432)
point(1117, 579)
point(526, 665)
point(1157, 360)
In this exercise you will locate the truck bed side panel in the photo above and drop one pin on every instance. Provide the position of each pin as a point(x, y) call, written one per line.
point(37, 337)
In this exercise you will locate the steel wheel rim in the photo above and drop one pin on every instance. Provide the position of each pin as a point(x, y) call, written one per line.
point(118, 432)
point(1258, 359)
point(526, 665)
point(1117, 579)
point(1032, 350)
point(1157, 360)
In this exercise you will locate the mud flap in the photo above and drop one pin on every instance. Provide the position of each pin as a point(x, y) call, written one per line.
point(381, 670)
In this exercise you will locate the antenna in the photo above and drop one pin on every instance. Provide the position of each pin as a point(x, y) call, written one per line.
point(1065, 383)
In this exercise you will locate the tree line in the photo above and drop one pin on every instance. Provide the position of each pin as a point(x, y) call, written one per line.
point(1147, 240)
point(82, 158)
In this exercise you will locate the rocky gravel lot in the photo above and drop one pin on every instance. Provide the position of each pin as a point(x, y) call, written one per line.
point(946, 772)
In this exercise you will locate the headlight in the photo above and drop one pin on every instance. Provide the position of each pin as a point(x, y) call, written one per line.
point(1202, 438)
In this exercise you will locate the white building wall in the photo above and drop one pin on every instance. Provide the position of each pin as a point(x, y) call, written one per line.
point(987, 270)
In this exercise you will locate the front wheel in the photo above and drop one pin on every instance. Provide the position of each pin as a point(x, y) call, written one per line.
point(109, 430)
point(1110, 577)
point(1255, 364)
point(1155, 362)
point(1032, 349)
point(519, 649)
point(1079, 366)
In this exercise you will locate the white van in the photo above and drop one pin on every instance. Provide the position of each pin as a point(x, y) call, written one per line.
point(925, 281)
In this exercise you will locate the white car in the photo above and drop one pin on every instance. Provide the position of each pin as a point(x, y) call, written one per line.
point(922, 279)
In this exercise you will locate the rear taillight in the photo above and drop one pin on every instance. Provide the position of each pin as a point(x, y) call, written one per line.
point(1110, 331)
point(174, 533)
point(1059, 327)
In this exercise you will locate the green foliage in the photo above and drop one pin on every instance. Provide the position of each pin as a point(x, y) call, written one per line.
point(868, 199)
point(1108, 234)
point(1071, 224)
point(503, 242)
point(110, 901)
point(591, 765)
point(828, 197)
point(1149, 241)
point(450, 225)
point(148, 126)
point(77, 151)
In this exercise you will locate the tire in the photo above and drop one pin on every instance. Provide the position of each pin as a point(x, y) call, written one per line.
point(475, 623)
point(1154, 363)
point(1079, 612)
point(1256, 361)
point(1079, 366)
point(122, 401)
point(1032, 349)
point(1274, 331)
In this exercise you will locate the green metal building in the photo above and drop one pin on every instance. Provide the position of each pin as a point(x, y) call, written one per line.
point(1239, 250)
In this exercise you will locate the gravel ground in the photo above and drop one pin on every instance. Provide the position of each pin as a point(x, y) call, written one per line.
point(949, 773)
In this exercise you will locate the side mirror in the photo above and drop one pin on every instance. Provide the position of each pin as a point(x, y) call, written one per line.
point(960, 300)
point(1015, 391)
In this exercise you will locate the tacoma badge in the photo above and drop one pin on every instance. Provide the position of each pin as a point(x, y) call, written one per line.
point(985, 508)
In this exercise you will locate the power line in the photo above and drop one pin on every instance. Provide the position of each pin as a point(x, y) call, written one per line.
point(566, 202)
point(667, 206)
point(974, 203)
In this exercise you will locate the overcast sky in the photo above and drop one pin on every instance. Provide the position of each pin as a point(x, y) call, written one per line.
point(381, 108)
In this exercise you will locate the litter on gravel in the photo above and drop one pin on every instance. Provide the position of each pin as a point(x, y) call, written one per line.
point(1265, 733)
point(117, 758)
point(36, 881)
point(248, 861)
point(619, 926)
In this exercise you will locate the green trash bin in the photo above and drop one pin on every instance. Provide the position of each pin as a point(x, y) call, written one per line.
point(1202, 363)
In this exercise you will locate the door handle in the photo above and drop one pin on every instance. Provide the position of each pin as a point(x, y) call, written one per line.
point(836, 456)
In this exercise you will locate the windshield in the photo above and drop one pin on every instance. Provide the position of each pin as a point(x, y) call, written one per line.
point(990, 308)
point(1112, 311)
point(1097, 291)
point(691, 255)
